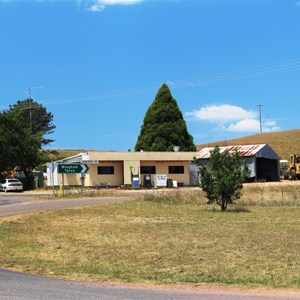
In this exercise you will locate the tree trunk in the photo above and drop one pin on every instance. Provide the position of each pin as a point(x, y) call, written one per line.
point(29, 180)
point(224, 204)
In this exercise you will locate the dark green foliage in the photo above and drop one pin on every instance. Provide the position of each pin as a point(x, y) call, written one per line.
point(18, 146)
point(222, 178)
point(35, 117)
point(164, 126)
point(22, 130)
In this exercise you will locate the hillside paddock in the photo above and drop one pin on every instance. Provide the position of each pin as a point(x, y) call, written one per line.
point(285, 192)
point(169, 236)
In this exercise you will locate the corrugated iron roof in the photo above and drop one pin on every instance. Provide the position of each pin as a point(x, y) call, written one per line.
point(243, 150)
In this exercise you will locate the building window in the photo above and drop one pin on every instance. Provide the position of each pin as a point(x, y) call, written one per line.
point(148, 170)
point(106, 170)
point(176, 169)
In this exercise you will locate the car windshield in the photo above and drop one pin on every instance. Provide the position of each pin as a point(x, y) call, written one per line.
point(13, 180)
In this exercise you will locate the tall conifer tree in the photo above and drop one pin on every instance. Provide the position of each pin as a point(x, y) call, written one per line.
point(164, 126)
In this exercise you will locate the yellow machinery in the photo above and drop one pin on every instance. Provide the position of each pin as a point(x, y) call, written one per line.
point(294, 167)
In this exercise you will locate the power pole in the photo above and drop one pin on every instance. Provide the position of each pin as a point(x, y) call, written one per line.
point(28, 91)
point(260, 123)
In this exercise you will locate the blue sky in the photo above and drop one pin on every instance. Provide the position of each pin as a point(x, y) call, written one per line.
point(97, 65)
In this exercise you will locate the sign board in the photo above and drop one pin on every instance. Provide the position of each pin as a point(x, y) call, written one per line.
point(72, 168)
point(161, 180)
point(90, 161)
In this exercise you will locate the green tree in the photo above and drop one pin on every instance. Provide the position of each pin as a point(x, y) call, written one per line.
point(164, 126)
point(34, 116)
point(22, 136)
point(222, 177)
point(5, 154)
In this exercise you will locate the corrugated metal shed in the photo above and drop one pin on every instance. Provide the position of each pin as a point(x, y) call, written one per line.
point(243, 150)
point(261, 159)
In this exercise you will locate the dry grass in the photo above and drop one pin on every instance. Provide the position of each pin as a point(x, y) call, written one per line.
point(76, 192)
point(271, 193)
point(285, 193)
point(283, 143)
point(159, 242)
point(56, 154)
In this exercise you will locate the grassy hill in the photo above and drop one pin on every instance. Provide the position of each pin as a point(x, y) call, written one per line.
point(283, 143)
point(57, 154)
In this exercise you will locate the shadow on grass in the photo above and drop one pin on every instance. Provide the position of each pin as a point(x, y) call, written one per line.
point(232, 210)
point(239, 210)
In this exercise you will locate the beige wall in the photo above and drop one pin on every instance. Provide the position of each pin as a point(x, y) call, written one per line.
point(130, 166)
point(163, 168)
point(69, 179)
point(160, 159)
point(141, 156)
point(124, 162)
point(95, 179)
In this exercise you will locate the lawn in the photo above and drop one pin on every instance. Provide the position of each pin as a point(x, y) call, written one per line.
point(148, 241)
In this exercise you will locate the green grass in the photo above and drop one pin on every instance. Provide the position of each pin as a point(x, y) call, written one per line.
point(151, 241)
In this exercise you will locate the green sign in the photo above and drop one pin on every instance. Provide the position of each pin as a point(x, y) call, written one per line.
point(72, 168)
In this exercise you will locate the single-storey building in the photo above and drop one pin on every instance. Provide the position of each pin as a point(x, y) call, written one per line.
point(262, 160)
point(116, 169)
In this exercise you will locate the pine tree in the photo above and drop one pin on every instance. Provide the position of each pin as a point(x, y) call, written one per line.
point(164, 126)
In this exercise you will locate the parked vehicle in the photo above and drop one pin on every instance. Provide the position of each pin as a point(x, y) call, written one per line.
point(11, 184)
point(293, 171)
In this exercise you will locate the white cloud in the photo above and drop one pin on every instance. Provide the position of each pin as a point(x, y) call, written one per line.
point(170, 83)
point(270, 125)
point(252, 125)
point(92, 5)
point(122, 2)
point(221, 113)
point(103, 2)
point(230, 118)
point(99, 5)
point(247, 125)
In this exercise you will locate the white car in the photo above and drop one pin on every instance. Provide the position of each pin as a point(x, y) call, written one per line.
point(11, 184)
